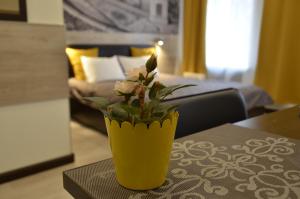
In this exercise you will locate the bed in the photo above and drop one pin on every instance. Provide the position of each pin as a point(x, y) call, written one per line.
point(254, 97)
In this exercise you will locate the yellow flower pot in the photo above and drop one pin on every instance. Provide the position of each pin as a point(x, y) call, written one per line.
point(140, 153)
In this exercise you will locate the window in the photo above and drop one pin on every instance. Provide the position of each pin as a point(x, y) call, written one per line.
point(232, 31)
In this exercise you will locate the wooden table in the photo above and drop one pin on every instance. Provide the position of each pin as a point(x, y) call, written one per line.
point(285, 123)
point(228, 161)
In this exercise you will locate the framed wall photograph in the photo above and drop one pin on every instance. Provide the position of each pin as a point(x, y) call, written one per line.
point(13, 10)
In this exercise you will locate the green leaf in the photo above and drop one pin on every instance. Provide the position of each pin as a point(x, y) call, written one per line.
point(132, 110)
point(156, 87)
point(168, 109)
point(150, 106)
point(151, 63)
point(153, 103)
point(158, 114)
point(170, 89)
point(115, 111)
point(171, 108)
point(141, 77)
point(127, 96)
point(99, 102)
point(130, 80)
point(152, 93)
point(135, 103)
point(149, 79)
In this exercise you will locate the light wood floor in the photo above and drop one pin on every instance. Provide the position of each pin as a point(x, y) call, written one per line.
point(88, 146)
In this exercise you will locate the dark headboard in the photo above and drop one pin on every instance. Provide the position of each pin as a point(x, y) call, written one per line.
point(106, 50)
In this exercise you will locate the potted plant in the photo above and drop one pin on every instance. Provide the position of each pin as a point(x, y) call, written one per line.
point(140, 128)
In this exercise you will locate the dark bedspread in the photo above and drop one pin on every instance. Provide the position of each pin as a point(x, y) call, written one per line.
point(254, 96)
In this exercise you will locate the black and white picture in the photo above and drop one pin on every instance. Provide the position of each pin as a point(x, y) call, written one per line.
point(138, 16)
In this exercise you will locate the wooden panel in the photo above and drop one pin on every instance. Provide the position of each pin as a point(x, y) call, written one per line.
point(33, 64)
point(285, 122)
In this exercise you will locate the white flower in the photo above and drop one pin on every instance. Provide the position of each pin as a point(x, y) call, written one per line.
point(134, 73)
point(125, 86)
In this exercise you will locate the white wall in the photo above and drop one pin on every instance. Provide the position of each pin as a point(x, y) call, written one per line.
point(45, 11)
point(35, 132)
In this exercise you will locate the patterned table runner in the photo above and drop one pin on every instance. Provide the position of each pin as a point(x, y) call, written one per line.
point(223, 162)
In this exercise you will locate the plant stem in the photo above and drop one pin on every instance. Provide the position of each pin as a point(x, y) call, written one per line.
point(142, 100)
point(146, 75)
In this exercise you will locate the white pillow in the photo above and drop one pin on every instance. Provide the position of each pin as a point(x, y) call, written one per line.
point(101, 68)
point(128, 63)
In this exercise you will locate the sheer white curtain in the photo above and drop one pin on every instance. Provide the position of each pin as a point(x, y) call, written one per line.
point(232, 37)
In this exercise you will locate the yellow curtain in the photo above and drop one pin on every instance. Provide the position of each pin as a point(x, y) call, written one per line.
point(194, 36)
point(278, 69)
